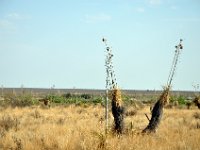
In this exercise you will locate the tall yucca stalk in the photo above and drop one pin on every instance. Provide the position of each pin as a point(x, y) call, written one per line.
point(115, 93)
point(157, 111)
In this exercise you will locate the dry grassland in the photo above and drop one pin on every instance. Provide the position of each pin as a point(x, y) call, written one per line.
point(82, 128)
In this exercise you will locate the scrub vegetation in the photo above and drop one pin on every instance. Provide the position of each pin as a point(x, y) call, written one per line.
point(77, 122)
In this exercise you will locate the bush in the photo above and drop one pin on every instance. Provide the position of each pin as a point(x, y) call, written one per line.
point(55, 98)
point(86, 96)
point(7, 123)
point(68, 95)
point(20, 101)
point(26, 100)
point(97, 100)
point(180, 99)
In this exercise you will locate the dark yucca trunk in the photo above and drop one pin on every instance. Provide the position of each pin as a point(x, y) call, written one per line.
point(117, 111)
point(157, 112)
point(197, 101)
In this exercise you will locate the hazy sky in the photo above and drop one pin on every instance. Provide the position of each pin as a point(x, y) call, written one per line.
point(58, 42)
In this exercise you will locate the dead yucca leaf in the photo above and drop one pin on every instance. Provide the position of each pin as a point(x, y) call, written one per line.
point(164, 97)
point(196, 101)
point(157, 111)
point(116, 96)
point(117, 110)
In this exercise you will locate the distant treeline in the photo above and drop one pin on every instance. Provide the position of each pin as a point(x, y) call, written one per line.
point(43, 91)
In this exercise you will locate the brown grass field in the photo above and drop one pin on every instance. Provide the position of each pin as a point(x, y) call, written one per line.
point(82, 128)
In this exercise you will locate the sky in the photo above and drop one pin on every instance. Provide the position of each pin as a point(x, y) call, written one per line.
point(45, 43)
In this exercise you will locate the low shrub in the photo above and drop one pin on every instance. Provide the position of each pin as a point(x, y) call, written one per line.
point(196, 115)
point(55, 98)
point(20, 100)
point(7, 123)
point(67, 95)
point(180, 99)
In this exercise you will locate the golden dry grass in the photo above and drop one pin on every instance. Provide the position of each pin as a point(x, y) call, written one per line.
point(77, 128)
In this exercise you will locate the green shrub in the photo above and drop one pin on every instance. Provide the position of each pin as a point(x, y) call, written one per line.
point(181, 99)
point(26, 100)
point(97, 100)
point(67, 95)
point(20, 100)
point(86, 96)
point(55, 98)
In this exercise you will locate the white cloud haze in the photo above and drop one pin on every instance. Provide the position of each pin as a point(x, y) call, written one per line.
point(97, 18)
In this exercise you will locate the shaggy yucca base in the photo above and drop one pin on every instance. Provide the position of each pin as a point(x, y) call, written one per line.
point(196, 101)
point(157, 111)
point(117, 110)
point(115, 95)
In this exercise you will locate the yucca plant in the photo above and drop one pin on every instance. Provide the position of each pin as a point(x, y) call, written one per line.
point(115, 93)
point(196, 101)
point(157, 111)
